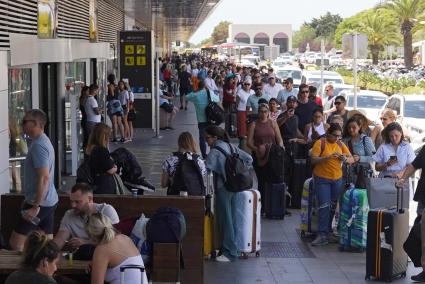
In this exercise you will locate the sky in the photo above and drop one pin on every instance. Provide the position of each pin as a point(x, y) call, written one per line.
point(294, 12)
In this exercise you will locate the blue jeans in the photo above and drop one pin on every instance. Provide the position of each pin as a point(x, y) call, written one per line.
point(328, 193)
point(202, 141)
point(225, 224)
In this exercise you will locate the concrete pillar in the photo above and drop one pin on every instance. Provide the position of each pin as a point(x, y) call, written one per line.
point(4, 124)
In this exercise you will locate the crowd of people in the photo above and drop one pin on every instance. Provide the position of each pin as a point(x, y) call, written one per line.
point(258, 110)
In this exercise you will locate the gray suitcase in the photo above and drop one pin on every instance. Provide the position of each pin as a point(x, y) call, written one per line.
point(140, 268)
point(381, 192)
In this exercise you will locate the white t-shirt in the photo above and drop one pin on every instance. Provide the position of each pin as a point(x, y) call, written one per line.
point(90, 104)
point(272, 91)
point(243, 98)
point(195, 72)
point(131, 97)
point(123, 97)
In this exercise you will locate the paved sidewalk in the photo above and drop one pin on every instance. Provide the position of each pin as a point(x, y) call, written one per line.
point(295, 261)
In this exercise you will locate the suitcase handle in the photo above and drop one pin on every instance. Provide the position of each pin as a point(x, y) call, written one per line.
point(132, 266)
point(400, 208)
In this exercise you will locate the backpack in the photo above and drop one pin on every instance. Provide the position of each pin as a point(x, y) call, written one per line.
point(188, 176)
point(275, 163)
point(167, 225)
point(127, 164)
point(84, 173)
point(215, 114)
point(238, 176)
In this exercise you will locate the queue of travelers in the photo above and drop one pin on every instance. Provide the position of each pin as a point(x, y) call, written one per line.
point(266, 113)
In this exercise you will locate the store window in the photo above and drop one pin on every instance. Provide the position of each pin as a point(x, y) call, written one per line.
point(19, 102)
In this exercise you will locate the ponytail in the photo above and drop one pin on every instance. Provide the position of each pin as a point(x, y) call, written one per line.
point(99, 228)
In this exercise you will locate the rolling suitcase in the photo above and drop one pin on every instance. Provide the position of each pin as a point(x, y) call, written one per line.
point(353, 216)
point(381, 192)
point(275, 200)
point(247, 221)
point(299, 175)
point(309, 212)
point(387, 229)
point(139, 268)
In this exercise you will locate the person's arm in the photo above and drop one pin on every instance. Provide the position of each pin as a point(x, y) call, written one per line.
point(42, 188)
point(369, 150)
point(279, 139)
point(112, 170)
point(375, 132)
point(346, 155)
point(282, 119)
point(408, 172)
point(99, 266)
point(423, 240)
point(61, 238)
point(306, 129)
point(164, 179)
point(250, 139)
point(315, 152)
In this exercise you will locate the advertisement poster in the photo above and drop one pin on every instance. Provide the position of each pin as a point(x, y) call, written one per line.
point(93, 21)
point(136, 65)
point(47, 19)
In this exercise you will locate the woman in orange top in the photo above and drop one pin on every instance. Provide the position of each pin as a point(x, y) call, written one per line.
point(327, 157)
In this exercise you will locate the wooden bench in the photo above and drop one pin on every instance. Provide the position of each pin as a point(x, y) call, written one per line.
point(192, 207)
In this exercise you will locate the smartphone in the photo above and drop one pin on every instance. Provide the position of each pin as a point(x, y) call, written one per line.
point(393, 158)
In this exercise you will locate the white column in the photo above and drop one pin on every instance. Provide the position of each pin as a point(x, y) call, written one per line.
point(4, 125)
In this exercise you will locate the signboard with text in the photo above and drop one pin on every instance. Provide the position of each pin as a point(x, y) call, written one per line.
point(136, 65)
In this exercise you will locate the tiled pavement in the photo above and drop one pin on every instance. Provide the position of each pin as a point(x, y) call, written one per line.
point(327, 266)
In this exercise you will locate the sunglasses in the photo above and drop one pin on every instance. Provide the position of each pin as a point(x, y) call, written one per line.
point(337, 103)
point(305, 92)
point(336, 136)
point(246, 84)
point(383, 118)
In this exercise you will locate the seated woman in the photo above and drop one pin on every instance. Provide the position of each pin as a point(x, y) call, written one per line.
point(188, 149)
point(39, 260)
point(360, 145)
point(167, 111)
point(113, 250)
point(393, 156)
point(326, 157)
point(100, 162)
point(317, 128)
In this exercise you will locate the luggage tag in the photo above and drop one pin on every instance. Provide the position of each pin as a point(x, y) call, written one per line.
point(384, 243)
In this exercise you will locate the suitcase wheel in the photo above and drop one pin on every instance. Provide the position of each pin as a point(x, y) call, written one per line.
point(403, 275)
point(257, 254)
point(213, 254)
point(244, 255)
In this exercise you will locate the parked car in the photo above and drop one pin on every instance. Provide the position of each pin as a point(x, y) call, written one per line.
point(314, 78)
point(370, 102)
point(410, 110)
point(290, 71)
point(278, 64)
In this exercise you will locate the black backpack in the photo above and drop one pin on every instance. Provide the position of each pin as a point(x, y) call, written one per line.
point(215, 114)
point(167, 225)
point(275, 164)
point(127, 164)
point(84, 172)
point(188, 176)
point(238, 176)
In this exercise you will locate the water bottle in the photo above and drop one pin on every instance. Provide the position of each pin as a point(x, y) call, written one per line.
point(134, 192)
point(34, 220)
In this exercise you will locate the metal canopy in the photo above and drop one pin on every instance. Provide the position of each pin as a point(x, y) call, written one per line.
point(171, 19)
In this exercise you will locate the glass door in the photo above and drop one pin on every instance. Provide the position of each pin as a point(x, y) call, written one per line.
point(75, 80)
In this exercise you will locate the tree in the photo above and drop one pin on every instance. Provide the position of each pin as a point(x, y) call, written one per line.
point(220, 32)
point(326, 25)
point(407, 12)
point(380, 31)
point(305, 35)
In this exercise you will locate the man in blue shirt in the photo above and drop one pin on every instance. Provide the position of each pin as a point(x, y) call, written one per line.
point(39, 190)
point(200, 100)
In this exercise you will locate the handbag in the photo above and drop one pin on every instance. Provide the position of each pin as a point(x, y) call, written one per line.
point(121, 189)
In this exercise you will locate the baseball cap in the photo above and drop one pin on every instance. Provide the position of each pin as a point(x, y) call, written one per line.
point(289, 80)
point(291, 98)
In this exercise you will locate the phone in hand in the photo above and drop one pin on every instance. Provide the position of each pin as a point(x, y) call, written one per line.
point(394, 158)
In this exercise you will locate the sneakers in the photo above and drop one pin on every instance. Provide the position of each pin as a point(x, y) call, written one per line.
point(332, 239)
point(320, 240)
point(419, 277)
point(122, 140)
point(222, 258)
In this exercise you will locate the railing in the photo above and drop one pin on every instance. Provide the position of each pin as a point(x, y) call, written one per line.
point(16, 173)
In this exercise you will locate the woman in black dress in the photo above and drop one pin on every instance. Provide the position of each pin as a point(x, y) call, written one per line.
point(101, 164)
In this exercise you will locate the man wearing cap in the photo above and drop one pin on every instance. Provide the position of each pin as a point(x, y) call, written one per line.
point(252, 103)
point(272, 89)
point(289, 90)
point(242, 96)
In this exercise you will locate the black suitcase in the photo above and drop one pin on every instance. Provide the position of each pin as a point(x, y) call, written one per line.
point(387, 229)
point(231, 124)
point(275, 201)
point(299, 175)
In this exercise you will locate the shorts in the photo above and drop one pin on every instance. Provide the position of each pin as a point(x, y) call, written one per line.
point(46, 215)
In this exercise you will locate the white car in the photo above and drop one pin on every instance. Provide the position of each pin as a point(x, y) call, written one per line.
point(410, 110)
point(370, 102)
point(247, 63)
point(314, 78)
point(278, 64)
point(290, 71)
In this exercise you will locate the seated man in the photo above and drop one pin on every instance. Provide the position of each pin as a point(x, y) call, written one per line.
point(71, 230)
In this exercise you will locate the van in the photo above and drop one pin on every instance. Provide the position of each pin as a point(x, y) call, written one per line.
point(314, 78)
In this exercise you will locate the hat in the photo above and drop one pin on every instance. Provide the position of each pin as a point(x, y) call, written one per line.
point(247, 80)
point(362, 113)
point(291, 98)
point(289, 80)
point(230, 75)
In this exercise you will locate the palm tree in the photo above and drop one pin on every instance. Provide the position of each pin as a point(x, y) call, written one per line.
point(380, 31)
point(407, 12)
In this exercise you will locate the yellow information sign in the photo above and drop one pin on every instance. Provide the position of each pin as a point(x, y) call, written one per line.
point(141, 49)
point(141, 60)
point(129, 49)
point(129, 61)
